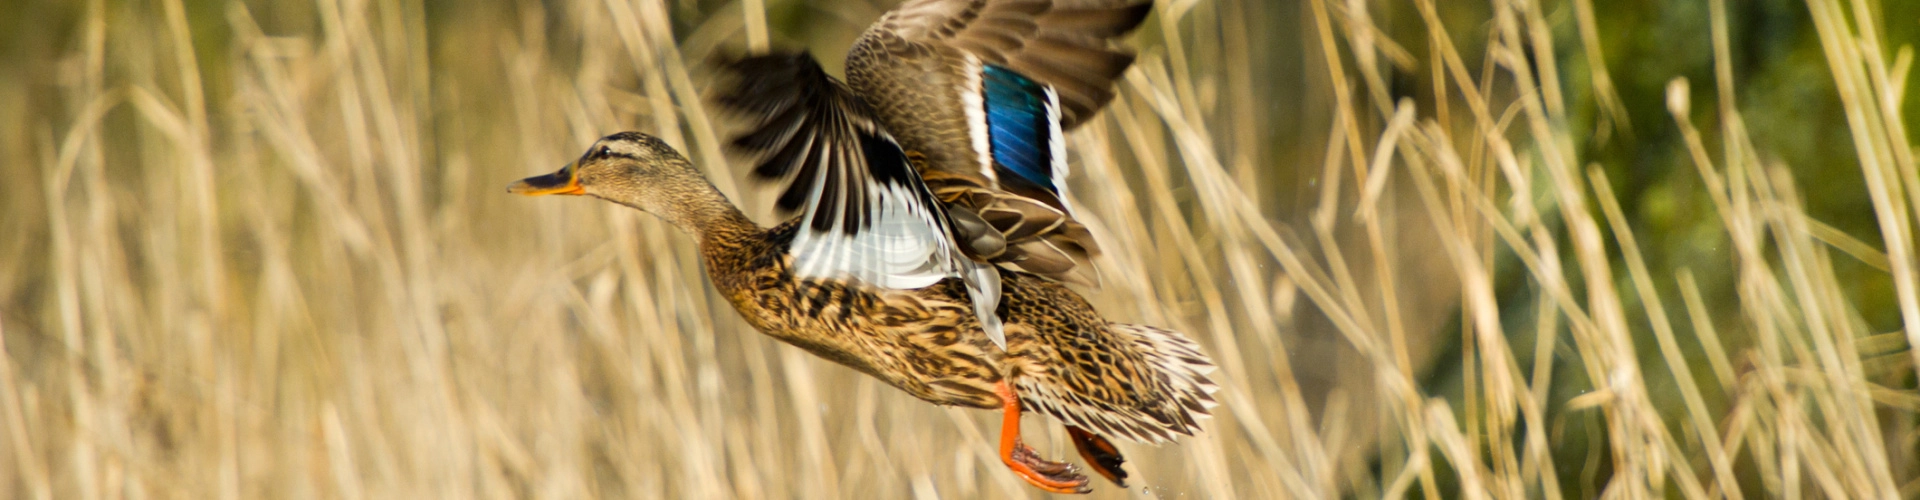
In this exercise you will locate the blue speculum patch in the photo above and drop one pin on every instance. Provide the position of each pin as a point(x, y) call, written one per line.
point(1017, 126)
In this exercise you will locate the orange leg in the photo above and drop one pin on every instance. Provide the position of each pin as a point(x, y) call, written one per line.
point(1055, 477)
point(1100, 454)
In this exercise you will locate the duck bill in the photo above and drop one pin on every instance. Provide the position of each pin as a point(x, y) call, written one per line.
point(562, 182)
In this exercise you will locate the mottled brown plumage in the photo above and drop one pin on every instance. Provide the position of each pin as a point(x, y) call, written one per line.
point(919, 69)
point(1061, 357)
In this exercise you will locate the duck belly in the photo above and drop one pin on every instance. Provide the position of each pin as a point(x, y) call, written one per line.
point(926, 342)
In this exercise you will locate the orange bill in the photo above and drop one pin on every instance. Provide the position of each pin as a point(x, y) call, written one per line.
point(562, 182)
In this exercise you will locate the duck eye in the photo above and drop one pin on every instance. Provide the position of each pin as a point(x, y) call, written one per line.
point(606, 151)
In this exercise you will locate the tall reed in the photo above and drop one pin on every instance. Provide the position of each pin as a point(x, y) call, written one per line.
point(261, 250)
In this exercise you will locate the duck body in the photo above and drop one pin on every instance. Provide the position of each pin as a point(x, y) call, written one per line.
point(925, 341)
point(916, 340)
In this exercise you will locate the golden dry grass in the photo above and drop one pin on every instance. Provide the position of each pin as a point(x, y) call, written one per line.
point(262, 250)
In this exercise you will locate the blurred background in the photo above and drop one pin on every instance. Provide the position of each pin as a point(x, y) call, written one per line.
point(1509, 249)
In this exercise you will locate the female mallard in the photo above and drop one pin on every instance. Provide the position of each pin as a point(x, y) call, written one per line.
point(930, 267)
point(1137, 382)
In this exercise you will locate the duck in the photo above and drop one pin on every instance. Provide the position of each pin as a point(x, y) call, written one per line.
point(929, 244)
point(1061, 357)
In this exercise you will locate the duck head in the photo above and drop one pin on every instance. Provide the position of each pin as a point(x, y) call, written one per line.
point(639, 171)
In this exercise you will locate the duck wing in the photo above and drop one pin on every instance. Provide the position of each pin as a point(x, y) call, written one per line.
point(866, 214)
point(1063, 44)
point(985, 90)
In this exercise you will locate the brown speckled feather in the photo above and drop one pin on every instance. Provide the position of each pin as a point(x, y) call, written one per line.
point(1133, 382)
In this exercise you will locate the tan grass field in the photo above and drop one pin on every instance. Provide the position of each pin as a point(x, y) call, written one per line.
point(263, 250)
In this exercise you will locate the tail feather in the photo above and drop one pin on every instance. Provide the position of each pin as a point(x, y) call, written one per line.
point(1167, 396)
point(1181, 360)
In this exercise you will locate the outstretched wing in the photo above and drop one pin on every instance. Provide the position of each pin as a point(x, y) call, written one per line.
point(1024, 169)
point(867, 214)
point(1063, 44)
point(1010, 76)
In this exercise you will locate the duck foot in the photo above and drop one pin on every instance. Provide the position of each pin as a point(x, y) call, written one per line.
point(1056, 477)
point(1101, 455)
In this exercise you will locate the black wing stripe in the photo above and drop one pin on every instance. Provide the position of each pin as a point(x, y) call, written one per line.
point(807, 121)
point(796, 153)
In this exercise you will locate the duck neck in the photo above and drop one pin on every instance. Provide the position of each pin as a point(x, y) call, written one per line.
point(699, 209)
point(719, 222)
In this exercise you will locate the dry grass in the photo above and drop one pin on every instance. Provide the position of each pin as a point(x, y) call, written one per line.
point(261, 250)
